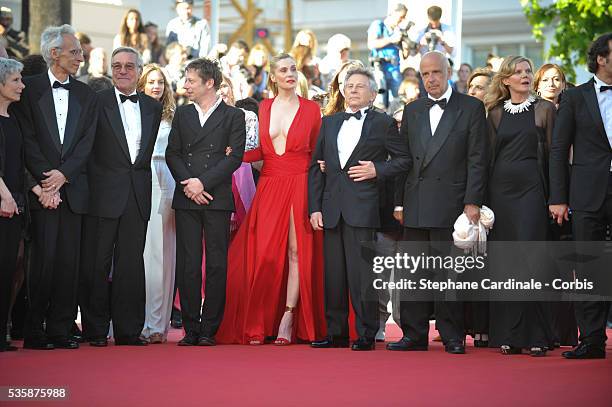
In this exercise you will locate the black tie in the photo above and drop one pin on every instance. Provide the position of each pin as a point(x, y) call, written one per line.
point(430, 103)
point(356, 115)
point(56, 85)
point(132, 98)
point(605, 88)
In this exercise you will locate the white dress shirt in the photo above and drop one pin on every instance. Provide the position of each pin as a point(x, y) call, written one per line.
point(604, 99)
point(435, 113)
point(130, 117)
point(349, 135)
point(204, 115)
point(60, 100)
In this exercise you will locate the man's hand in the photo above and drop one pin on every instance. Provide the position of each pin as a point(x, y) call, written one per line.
point(192, 187)
point(364, 171)
point(54, 181)
point(49, 200)
point(202, 199)
point(228, 150)
point(472, 212)
point(559, 213)
point(8, 207)
point(321, 165)
point(316, 220)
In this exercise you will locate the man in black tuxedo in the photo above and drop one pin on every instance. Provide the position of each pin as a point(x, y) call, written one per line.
point(203, 198)
point(584, 121)
point(446, 134)
point(344, 202)
point(58, 116)
point(120, 184)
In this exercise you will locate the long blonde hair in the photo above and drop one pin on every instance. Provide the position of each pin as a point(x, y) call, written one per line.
point(229, 83)
point(336, 101)
point(498, 92)
point(273, 64)
point(167, 98)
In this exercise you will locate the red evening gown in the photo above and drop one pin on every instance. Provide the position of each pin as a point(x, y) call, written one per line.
point(257, 259)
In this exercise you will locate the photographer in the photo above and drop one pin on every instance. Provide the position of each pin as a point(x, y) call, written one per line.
point(436, 36)
point(384, 38)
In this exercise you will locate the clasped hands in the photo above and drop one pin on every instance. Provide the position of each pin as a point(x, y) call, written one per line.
point(194, 190)
point(48, 190)
point(362, 172)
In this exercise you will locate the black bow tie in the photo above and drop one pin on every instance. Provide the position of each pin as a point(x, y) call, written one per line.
point(430, 103)
point(56, 85)
point(356, 115)
point(605, 88)
point(132, 98)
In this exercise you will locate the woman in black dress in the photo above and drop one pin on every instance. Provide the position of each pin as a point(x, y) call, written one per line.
point(520, 129)
point(12, 187)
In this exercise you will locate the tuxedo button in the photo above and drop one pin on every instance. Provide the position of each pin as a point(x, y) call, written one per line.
point(420, 178)
point(207, 155)
point(188, 164)
point(189, 154)
point(205, 165)
point(211, 145)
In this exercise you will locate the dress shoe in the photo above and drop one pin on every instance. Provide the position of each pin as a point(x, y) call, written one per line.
point(157, 338)
point(455, 347)
point(76, 334)
point(586, 351)
point(206, 341)
point(64, 343)
point(406, 344)
point(176, 321)
point(98, 342)
point(38, 344)
point(190, 339)
point(134, 341)
point(479, 343)
point(363, 344)
point(7, 347)
point(330, 342)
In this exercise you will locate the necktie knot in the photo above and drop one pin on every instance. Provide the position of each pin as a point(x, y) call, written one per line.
point(605, 88)
point(132, 98)
point(431, 103)
point(356, 115)
point(57, 84)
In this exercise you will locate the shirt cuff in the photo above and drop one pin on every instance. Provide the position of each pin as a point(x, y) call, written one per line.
point(398, 208)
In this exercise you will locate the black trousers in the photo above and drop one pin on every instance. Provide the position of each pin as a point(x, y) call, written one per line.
point(52, 277)
point(10, 235)
point(119, 246)
point(414, 315)
point(191, 226)
point(348, 271)
point(591, 226)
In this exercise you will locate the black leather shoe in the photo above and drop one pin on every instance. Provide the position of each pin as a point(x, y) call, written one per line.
point(64, 343)
point(76, 334)
point(38, 344)
point(585, 351)
point(176, 321)
point(455, 347)
point(479, 343)
point(364, 344)
point(206, 341)
point(330, 342)
point(406, 344)
point(191, 339)
point(135, 341)
point(98, 342)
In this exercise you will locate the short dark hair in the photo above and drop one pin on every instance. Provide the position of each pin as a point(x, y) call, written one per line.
point(206, 69)
point(100, 83)
point(248, 104)
point(434, 13)
point(33, 64)
point(599, 48)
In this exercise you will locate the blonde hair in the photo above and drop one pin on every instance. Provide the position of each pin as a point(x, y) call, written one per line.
point(313, 44)
point(302, 89)
point(227, 80)
point(273, 65)
point(498, 92)
point(167, 98)
point(335, 102)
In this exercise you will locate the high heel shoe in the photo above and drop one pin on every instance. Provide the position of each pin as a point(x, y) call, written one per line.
point(285, 341)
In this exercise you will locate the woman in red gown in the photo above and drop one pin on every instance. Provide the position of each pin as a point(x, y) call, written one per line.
point(275, 262)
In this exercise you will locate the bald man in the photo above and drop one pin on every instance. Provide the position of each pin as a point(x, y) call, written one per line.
point(446, 133)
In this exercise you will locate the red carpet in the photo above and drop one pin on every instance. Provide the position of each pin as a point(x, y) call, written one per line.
point(297, 375)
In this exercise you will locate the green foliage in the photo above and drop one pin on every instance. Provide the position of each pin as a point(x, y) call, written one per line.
point(576, 24)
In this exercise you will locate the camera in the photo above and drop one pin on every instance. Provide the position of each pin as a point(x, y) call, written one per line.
point(432, 39)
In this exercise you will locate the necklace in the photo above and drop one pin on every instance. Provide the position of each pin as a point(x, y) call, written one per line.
point(521, 107)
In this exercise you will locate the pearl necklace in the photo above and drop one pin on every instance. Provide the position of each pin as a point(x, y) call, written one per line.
point(520, 108)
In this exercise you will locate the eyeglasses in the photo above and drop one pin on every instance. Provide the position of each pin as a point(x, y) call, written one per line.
point(119, 67)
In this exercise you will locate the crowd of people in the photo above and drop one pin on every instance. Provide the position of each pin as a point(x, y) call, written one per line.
point(239, 187)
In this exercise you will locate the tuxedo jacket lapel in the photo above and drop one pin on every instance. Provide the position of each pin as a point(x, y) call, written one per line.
point(333, 134)
point(214, 119)
point(365, 132)
point(111, 109)
point(73, 118)
point(448, 119)
point(425, 131)
point(146, 125)
point(593, 106)
point(47, 107)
